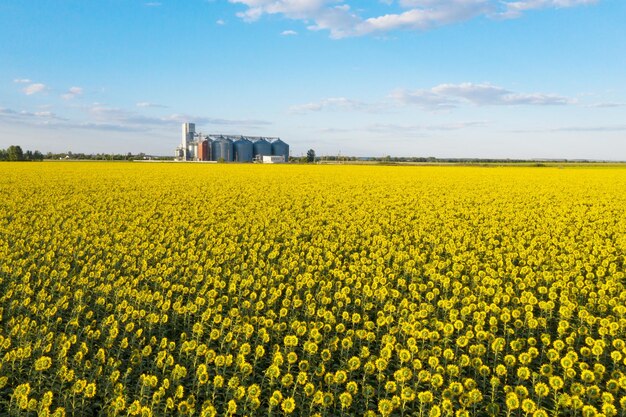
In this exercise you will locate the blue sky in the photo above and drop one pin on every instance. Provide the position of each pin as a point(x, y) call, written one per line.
point(444, 78)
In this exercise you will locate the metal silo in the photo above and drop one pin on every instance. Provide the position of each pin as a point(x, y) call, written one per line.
point(280, 148)
point(209, 148)
point(243, 149)
point(204, 150)
point(262, 147)
point(222, 148)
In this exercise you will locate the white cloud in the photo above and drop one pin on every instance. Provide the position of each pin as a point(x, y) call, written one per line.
point(202, 120)
point(445, 96)
point(72, 93)
point(332, 15)
point(607, 105)
point(515, 9)
point(333, 103)
point(153, 4)
point(338, 17)
point(220, 22)
point(289, 33)
point(391, 128)
point(38, 116)
point(34, 89)
point(608, 128)
point(105, 118)
point(425, 14)
point(147, 104)
point(576, 129)
point(440, 97)
point(426, 99)
point(22, 81)
point(126, 118)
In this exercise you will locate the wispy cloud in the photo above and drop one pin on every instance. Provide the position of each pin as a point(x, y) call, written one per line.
point(289, 33)
point(147, 104)
point(387, 128)
point(72, 93)
point(106, 127)
point(122, 117)
point(513, 9)
point(153, 4)
point(22, 81)
point(607, 105)
point(441, 97)
point(391, 130)
point(50, 120)
point(424, 15)
point(116, 119)
point(220, 22)
point(333, 103)
point(607, 128)
point(181, 118)
point(341, 20)
point(6, 113)
point(34, 88)
point(446, 96)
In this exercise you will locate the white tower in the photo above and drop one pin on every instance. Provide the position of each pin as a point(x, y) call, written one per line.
point(189, 129)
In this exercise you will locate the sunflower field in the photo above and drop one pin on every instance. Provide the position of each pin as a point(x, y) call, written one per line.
point(138, 289)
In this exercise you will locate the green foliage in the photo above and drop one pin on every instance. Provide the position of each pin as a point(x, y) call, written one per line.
point(15, 153)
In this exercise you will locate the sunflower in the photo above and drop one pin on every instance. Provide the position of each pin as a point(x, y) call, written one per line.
point(385, 407)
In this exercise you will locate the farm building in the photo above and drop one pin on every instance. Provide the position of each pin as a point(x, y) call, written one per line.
point(229, 148)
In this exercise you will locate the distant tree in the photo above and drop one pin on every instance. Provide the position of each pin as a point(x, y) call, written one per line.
point(15, 153)
point(310, 156)
point(37, 156)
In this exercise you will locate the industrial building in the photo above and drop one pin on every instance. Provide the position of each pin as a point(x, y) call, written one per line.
point(229, 148)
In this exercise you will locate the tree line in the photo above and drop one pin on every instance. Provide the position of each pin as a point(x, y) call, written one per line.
point(102, 156)
point(15, 153)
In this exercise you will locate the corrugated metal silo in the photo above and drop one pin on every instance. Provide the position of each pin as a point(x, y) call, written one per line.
point(280, 148)
point(209, 148)
point(222, 148)
point(262, 147)
point(203, 150)
point(243, 149)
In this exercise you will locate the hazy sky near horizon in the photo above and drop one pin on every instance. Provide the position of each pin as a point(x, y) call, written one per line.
point(444, 78)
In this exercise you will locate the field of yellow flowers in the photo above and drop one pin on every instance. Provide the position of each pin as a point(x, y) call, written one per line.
point(131, 289)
